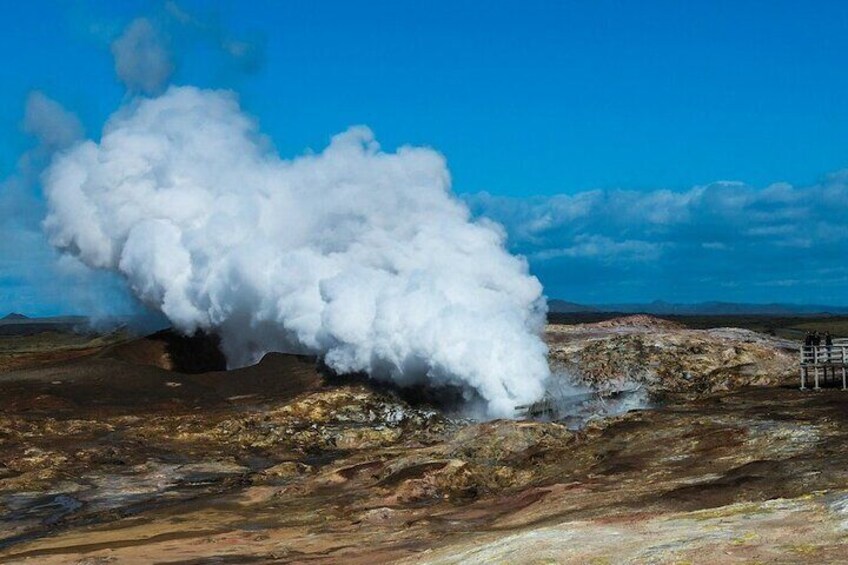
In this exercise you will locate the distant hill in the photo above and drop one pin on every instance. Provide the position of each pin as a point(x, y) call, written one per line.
point(14, 316)
point(18, 324)
point(564, 307)
point(660, 307)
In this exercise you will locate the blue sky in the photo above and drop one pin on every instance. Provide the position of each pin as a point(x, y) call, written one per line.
point(537, 106)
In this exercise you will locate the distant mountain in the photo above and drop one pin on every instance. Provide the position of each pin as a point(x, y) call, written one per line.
point(564, 307)
point(660, 307)
point(18, 324)
point(14, 316)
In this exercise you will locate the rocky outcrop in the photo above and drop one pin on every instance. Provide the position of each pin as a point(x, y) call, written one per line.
point(664, 357)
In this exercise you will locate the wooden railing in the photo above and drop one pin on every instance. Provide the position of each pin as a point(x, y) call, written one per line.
point(820, 358)
point(821, 354)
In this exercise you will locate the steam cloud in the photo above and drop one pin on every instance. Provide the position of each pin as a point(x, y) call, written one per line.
point(142, 61)
point(359, 255)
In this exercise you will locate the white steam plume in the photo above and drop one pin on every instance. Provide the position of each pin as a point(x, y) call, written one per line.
point(361, 256)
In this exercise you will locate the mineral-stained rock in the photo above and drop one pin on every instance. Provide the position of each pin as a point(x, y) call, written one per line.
point(120, 466)
point(282, 472)
point(664, 357)
point(505, 441)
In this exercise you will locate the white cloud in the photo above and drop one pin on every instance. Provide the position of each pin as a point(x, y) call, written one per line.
point(604, 249)
point(665, 241)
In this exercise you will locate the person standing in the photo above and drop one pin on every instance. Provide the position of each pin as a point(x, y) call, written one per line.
point(808, 347)
point(828, 343)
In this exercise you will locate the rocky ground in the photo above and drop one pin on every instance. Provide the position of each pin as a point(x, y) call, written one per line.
point(115, 456)
point(666, 358)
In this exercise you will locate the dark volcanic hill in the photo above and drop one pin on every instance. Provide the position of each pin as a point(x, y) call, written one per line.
point(18, 324)
point(14, 316)
point(564, 307)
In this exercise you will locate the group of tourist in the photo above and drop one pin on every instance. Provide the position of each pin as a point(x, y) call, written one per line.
point(814, 339)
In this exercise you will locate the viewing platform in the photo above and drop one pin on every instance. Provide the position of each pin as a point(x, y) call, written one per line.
point(820, 358)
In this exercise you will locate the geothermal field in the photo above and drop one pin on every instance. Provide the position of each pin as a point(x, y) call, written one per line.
point(671, 445)
point(423, 282)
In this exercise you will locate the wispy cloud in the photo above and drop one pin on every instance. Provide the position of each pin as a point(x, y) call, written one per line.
point(142, 58)
point(148, 50)
point(684, 244)
point(247, 53)
point(603, 249)
point(33, 278)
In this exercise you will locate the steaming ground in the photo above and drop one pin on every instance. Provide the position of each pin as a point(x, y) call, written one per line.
point(146, 450)
point(358, 255)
